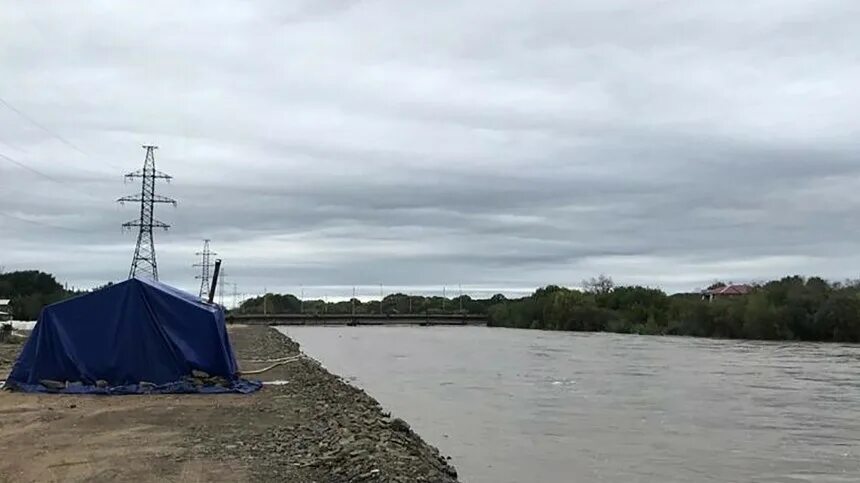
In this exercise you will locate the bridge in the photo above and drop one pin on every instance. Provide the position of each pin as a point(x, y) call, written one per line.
point(358, 319)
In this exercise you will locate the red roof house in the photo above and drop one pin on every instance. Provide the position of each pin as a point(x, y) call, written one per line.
point(731, 290)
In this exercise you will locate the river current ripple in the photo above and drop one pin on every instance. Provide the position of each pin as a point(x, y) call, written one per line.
point(531, 406)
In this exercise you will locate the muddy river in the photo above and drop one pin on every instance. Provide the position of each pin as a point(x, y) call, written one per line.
point(531, 406)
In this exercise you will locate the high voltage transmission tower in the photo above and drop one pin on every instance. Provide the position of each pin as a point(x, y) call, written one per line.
point(144, 263)
point(205, 265)
point(222, 281)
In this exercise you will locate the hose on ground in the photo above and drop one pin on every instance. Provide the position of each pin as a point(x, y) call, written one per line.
point(267, 369)
point(270, 361)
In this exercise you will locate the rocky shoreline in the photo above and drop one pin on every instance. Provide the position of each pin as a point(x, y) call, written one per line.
point(306, 425)
point(324, 429)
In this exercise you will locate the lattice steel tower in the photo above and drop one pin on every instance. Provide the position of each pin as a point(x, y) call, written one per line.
point(144, 263)
point(205, 265)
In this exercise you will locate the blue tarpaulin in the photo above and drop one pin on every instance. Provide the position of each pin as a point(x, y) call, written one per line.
point(138, 336)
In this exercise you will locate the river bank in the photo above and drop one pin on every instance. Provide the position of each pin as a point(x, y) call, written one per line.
point(313, 427)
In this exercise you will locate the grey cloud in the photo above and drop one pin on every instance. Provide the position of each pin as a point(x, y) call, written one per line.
point(493, 144)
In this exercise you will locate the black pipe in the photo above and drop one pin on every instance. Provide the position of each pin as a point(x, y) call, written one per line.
point(214, 280)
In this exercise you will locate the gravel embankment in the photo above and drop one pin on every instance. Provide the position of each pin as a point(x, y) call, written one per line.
point(315, 428)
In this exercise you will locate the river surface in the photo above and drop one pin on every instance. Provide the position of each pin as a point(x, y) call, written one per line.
point(531, 406)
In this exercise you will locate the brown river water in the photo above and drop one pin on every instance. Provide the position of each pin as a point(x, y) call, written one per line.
point(531, 406)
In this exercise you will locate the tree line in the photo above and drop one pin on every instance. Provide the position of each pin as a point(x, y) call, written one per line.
point(397, 303)
point(793, 308)
point(29, 291)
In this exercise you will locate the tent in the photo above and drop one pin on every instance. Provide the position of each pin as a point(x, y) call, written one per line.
point(137, 336)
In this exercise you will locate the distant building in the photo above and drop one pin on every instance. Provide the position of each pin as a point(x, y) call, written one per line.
point(727, 291)
point(5, 309)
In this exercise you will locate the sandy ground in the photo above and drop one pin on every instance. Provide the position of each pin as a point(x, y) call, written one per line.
point(316, 428)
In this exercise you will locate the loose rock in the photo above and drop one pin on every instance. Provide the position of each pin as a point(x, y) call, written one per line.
point(51, 384)
point(317, 428)
point(400, 425)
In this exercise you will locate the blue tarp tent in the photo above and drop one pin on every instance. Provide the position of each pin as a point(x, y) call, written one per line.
point(138, 336)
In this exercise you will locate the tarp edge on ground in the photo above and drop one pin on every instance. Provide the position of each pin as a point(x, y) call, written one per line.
point(240, 386)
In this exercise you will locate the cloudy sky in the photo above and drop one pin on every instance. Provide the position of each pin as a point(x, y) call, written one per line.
point(500, 145)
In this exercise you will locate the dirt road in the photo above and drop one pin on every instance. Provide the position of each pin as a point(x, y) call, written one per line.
point(315, 428)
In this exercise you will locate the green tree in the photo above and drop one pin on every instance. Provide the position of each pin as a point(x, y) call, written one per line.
point(761, 319)
point(30, 291)
point(839, 318)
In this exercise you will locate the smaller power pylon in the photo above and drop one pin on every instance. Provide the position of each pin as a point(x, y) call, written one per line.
point(205, 266)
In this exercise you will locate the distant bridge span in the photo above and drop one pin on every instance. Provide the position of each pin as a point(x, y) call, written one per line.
point(357, 319)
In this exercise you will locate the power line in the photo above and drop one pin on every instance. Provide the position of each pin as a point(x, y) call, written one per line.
point(30, 169)
point(40, 223)
point(46, 176)
point(49, 178)
point(52, 133)
point(41, 126)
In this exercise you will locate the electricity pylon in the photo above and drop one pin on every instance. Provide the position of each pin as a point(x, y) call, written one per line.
point(205, 266)
point(144, 263)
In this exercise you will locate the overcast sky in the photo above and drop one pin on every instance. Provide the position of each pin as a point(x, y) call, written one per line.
point(501, 145)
